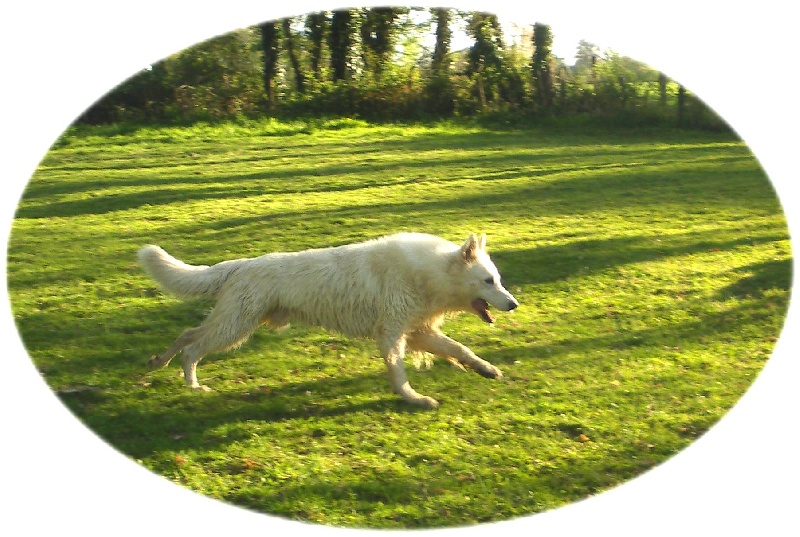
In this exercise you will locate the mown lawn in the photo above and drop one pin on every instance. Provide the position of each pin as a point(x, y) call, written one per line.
point(653, 269)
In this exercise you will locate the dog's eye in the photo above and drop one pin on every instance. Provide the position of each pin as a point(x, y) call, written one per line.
point(489, 280)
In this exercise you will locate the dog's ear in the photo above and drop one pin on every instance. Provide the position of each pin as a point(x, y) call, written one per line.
point(482, 242)
point(470, 248)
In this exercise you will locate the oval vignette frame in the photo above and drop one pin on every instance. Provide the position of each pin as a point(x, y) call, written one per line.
point(724, 437)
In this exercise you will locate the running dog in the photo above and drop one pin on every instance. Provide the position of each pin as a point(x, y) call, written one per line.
point(395, 290)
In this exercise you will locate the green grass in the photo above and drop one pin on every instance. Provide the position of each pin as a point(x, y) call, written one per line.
point(653, 269)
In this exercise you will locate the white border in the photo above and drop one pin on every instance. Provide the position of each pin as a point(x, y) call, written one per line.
point(59, 57)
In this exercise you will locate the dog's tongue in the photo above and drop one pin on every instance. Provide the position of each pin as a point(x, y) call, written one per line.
point(481, 307)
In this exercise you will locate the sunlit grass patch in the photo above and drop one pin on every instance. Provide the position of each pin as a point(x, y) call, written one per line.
point(653, 269)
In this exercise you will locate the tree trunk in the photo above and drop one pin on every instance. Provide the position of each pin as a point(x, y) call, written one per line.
point(441, 52)
point(316, 24)
point(340, 40)
point(288, 40)
point(269, 44)
point(681, 103)
point(540, 65)
point(481, 88)
point(376, 37)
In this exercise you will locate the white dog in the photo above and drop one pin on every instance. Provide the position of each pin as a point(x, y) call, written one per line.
point(395, 289)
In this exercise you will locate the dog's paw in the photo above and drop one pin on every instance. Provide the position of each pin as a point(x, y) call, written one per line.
point(490, 372)
point(154, 363)
point(201, 388)
point(422, 401)
point(426, 402)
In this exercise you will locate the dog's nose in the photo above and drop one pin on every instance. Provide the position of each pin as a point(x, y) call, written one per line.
point(512, 305)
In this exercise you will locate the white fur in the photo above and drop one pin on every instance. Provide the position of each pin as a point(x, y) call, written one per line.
point(395, 290)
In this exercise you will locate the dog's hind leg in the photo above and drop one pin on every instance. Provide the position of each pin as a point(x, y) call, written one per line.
point(163, 359)
point(393, 350)
point(435, 342)
point(189, 359)
point(215, 339)
point(220, 331)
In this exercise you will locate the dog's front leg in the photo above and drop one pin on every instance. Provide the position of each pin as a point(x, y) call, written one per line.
point(393, 350)
point(437, 343)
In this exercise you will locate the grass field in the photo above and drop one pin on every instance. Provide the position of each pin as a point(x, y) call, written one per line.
point(652, 267)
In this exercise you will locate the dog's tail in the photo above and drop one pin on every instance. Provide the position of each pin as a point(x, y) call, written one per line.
point(180, 279)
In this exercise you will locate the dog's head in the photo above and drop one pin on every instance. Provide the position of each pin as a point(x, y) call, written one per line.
point(483, 279)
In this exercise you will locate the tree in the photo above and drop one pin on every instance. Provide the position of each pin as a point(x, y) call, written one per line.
point(541, 65)
point(484, 59)
point(288, 39)
point(269, 45)
point(440, 92)
point(316, 30)
point(217, 78)
point(617, 78)
point(441, 51)
point(377, 37)
point(340, 41)
point(681, 104)
point(145, 95)
point(585, 60)
point(384, 64)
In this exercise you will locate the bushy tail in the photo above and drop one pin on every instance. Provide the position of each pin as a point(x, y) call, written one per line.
point(179, 278)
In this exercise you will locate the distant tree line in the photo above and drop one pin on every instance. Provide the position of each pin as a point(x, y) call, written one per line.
point(389, 63)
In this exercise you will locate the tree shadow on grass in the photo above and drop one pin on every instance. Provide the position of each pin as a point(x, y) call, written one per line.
point(760, 278)
point(191, 419)
point(172, 417)
point(151, 419)
point(386, 499)
point(717, 326)
point(534, 266)
point(580, 257)
point(333, 177)
point(195, 153)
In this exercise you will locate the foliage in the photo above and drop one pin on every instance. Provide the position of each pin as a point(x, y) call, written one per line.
point(316, 25)
point(653, 268)
point(485, 58)
point(378, 35)
point(444, 35)
point(220, 78)
point(216, 79)
point(147, 94)
point(291, 51)
point(270, 51)
point(393, 64)
point(586, 58)
point(540, 65)
point(340, 44)
point(440, 96)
